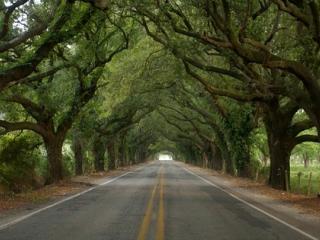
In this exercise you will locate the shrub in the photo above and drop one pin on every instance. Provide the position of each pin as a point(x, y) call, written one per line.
point(19, 156)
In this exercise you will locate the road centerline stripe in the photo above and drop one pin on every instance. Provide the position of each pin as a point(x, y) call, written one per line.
point(147, 217)
point(146, 221)
point(160, 218)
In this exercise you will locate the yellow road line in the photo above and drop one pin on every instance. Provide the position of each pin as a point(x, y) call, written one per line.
point(147, 217)
point(160, 220)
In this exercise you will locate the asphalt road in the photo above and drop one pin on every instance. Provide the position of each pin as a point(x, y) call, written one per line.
point(159, 201)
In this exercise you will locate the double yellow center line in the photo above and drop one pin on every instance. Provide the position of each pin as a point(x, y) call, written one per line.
point(144, 228)
point(160, 219)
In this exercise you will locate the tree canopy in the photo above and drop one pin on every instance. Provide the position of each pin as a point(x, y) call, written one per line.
point(230, 85)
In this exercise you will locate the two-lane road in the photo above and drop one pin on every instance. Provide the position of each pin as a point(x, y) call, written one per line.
point(159, 201)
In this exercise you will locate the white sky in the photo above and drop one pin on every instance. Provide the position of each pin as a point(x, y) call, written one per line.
point(165, 157)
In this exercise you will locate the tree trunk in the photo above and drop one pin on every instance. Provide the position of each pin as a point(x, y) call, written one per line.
point(98, 151)
point(222, 146)
point(127, 155)
point(143, 156)
point(243, 165)
point(216, 156)
point(78, 155)
point(112, 157)
point(121, 154)
point(205, 159)
point(306, 160)
point(239, 152)
point(264, 160)
point(131, 157)
point(54, 155)
point(280, 146)
point(279, 163)
point(98, 161)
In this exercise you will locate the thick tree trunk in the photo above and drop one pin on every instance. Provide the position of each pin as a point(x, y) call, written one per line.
point(316, 115)
point(279, 162)
point(280, 146)
point(78, 155)
point(54, 155)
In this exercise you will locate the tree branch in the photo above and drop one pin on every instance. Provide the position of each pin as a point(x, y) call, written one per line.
point(18, 126)
point(221, 92)
point(7, 15)
point(307, 138)
point(298, 127)
point(38, 112)
point(55, 36)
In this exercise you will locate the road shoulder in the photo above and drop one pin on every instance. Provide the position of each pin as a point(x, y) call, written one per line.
point(283, 208)
point(18, 206)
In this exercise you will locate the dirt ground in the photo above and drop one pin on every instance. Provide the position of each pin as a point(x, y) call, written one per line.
point(10, 201)
point(307, 204)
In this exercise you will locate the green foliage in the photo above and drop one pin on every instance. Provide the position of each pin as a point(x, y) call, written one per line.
point(68, 160)
point(20, 158)
point(304, 180)
point(258, 145)
point(187, 83)
point(312, 150)
point(238, 127)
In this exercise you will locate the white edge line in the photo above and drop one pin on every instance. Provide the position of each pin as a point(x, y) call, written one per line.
point(15, 221)
point(254, 207)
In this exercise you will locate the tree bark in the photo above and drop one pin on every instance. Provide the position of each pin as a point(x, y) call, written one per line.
point(54, 154)
point(279, 161)
point(280, 146)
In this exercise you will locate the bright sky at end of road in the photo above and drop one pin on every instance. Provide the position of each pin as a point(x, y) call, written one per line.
point(165, 157)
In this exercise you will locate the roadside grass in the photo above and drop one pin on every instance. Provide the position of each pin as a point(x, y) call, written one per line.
point(304, 182)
